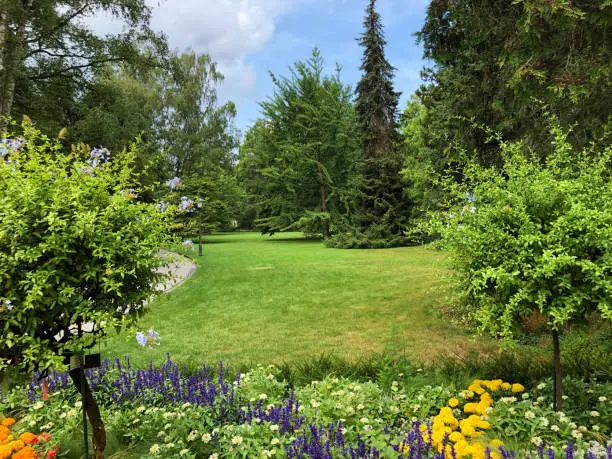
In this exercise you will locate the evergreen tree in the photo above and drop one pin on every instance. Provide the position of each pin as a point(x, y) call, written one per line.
point(381, 212)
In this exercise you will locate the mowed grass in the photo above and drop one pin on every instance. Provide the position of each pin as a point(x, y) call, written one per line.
point(261, 299)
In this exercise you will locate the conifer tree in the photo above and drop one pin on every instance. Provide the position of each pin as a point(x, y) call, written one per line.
point(381, 211)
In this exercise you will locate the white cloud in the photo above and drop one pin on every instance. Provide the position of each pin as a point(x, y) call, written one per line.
point(229, 30)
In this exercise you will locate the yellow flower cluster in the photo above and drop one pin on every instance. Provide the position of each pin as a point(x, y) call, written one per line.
point(460, 429)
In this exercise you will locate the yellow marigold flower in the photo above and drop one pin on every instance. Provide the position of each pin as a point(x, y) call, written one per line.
point(518, 387)
point(505, 386)
point(403, 448)
point(437, 436)
point(456, 436)
point(469, 408)
point(474, 387)
point(495, 444)
point(453, 402)
point(478, 451)
point(484, 425)
point(473, 420)
point(423, 427)
point(446, 411)
point(462, 448)
point(467, 430)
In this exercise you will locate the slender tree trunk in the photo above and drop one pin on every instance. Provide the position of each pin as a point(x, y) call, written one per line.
point(12, 36)
point(98, 433)
point(323, 193)
point(558, 373)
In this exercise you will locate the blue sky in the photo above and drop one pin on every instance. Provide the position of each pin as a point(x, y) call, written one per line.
point(249, 38)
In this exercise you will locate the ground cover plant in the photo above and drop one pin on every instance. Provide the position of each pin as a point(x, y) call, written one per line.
point(270, 299)
point(167, 411)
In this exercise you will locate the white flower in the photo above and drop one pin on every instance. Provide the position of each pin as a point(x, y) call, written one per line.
point(274, 427)
point(595, 428)
point(525, 396)
point(183, 452)
point(368, 427)
point(48, 426)
point(78, 404)
point(154, 449)
point(262, 396)
point(192, 435)
point(140, 409)
point(237, 440)
point(38, 405)
point(530, 415)
point(594, 413)
point(186, 404)
point(603, 398)
point(544, 422)
point(564, 397)
point(540, 399)
point(576, 434)
point(536, 440)
point(161, 433)
point(542, 386)
point(213, 456)
point(314, 403)
point(206, 437)
point(554, 428)
point(360, 407)
point(275, 441)
point(364, 420)
point(511, 410)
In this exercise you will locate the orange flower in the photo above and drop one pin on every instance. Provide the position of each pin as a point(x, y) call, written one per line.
point(4, 433)
point(5, 451)
point(29, 438)
point(7, 422)
point(25, 453)
point(17, 445)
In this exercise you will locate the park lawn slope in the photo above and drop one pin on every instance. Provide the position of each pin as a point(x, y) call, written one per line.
point(268, 299)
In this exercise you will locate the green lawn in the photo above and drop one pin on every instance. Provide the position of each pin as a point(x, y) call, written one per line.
point(271, 299)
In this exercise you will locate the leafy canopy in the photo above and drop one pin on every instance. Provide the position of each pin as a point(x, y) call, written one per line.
point(533, 236)
point(78, 251)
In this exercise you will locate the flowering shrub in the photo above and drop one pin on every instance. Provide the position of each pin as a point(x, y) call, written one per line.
point(25, 445)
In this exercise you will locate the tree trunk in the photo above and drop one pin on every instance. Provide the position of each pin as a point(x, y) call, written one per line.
point(558, 384)
point(12, 36)
point(323, 193)
point(98, 433)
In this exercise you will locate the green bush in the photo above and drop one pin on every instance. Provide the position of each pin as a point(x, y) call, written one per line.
point(78, 251)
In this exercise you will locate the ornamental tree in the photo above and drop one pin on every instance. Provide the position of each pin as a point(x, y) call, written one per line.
point(533, 237)
point(78, 253)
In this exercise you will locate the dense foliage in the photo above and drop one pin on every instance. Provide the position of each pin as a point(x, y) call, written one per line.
point(78, 253)
point(496, 63)
point(533, 238)
point(298, 164)
point(381, 206)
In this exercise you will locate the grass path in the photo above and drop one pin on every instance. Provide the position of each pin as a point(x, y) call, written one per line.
point(270, 299)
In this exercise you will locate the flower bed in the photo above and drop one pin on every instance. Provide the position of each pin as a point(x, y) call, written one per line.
point(168, 412)
point(25, 445)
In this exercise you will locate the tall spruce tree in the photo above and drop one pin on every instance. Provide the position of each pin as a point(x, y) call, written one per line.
point(382, 208)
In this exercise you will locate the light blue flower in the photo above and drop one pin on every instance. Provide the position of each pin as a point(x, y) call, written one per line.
point(142, 339)
point(173, 183)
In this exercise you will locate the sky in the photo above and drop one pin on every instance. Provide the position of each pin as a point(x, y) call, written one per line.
point(250, 38)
